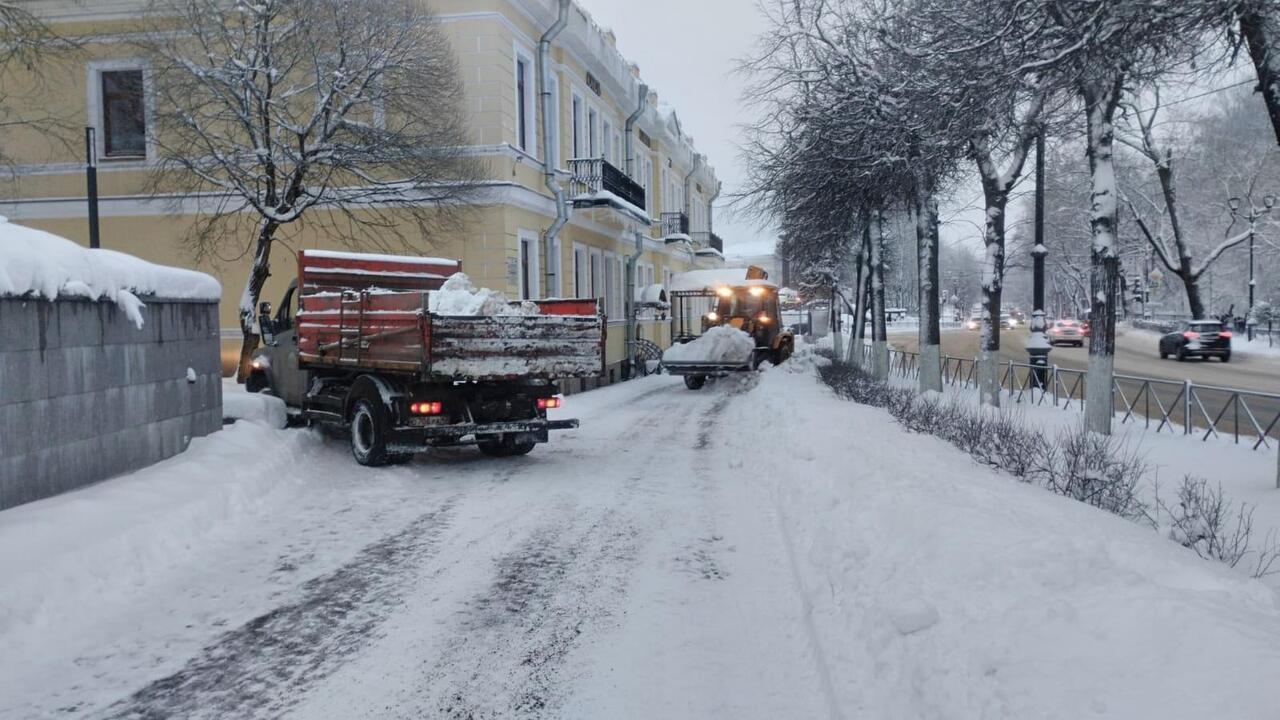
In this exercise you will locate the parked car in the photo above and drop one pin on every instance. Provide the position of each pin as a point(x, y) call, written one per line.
point(1066, 332)
point(1197, 338)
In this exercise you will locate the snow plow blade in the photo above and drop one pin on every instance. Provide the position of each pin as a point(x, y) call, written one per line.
point(705, 368)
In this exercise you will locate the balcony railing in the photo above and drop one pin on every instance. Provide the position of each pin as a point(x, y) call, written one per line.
point(674, 223)
point(703, 239)
point(591, 176)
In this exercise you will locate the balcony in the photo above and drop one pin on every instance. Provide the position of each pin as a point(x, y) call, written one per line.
point(716, 243)
point(674, 223)
point(706, 240)
point(596, 182)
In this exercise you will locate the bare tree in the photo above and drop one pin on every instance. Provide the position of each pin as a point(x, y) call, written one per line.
point(272, 112)
point(25, 42)
point(1174, 249)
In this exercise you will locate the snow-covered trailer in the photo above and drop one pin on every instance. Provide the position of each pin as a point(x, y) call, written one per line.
point(365, 350)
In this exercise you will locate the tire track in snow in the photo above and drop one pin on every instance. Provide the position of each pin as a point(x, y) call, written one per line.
point(254, 670)
point(558, 587)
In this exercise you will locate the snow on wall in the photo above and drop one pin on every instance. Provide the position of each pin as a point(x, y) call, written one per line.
point(40, 264)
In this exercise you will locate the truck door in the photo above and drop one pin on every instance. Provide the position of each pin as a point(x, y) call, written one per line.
point(288, 381)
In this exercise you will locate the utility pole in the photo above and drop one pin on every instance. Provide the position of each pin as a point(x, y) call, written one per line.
point(91, 177)
point(1268, 203)
point(1038, 341)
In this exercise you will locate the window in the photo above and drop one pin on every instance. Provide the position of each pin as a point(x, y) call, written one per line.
point(529, 266)
point(607, 136)
point(611, 286)
point(597, 269)
point(618, 160)
point(593, 122)
point(523, 98)
point(124, 115)
point(577, 126)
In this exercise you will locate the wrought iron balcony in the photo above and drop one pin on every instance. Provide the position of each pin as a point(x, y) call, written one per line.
point(707, 240)
point(674, 223)
point(716, 243)
point(594, 179)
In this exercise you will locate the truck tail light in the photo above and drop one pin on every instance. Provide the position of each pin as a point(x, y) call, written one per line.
point(548, 403)
point(426, 408)
point(1225, 334)
point(1190, 335)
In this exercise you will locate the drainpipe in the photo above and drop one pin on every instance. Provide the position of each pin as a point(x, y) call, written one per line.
point(629, 301)
point(631, 124)
point(549, 111)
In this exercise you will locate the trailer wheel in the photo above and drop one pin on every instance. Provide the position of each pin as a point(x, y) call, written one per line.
point(369, 433)
point(695, 382)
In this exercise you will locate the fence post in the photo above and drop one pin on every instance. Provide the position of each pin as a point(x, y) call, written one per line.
point(1186, 406)
point(1054, 380)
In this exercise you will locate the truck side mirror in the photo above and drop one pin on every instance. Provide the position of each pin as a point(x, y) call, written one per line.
point(265, 324)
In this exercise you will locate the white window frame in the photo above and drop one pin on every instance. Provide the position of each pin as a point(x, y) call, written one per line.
point(93, 78)
point(527, 251)
point(577, 112)
point(581, 271)
point(529, 142)
point(553, 153)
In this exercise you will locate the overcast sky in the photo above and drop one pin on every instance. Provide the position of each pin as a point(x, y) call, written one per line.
point(686, 51)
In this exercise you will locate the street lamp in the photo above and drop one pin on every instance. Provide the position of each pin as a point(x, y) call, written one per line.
point(1038, 341)
point(1268, 203)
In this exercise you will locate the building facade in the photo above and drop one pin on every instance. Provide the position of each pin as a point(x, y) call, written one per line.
point(656, 199)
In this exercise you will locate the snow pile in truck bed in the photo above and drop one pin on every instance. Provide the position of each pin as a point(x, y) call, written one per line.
point(40, 264)
point(720, 344)
point(459, 297)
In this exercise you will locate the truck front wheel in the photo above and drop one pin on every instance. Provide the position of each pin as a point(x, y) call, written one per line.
point(695, 382)
point(369, 433)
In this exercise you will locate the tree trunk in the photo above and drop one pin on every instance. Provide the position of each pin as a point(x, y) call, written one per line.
point(992, 291)
point(930, 334)
point(1193, 298)
point(258, 274)
point(858, 331)
point(1261, 33)
point(879, 331)
point(1100, 99)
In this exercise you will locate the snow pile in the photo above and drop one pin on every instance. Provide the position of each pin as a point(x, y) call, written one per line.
point(459, 297)
point(720, 344)
point(239, 404)
point(40, 264)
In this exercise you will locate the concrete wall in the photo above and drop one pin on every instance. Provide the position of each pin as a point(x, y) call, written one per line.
point(85, 395)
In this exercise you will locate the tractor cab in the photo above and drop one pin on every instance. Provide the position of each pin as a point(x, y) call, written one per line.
point(742, 298)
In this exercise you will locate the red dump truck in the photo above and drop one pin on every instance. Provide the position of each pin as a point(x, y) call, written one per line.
point(355, 344)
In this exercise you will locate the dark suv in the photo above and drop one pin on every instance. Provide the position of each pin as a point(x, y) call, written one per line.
point(1197, 338)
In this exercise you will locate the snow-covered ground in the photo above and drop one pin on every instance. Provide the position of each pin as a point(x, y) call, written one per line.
point(752, 550)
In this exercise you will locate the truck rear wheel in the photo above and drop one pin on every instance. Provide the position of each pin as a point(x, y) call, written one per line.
point(369, 433)
point(695, 382)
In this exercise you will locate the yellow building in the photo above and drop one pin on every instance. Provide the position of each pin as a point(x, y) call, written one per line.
point(663, 191)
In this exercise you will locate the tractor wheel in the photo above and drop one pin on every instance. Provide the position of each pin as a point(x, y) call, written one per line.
point(695, 382)
point(256, 382)
point(1182, 354)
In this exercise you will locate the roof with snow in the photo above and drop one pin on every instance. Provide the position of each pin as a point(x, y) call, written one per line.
point(35, 263)
point(696, 280)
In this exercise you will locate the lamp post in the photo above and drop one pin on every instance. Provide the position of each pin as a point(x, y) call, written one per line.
point(1268, 202)
point(1038, 341)
point(91, 181)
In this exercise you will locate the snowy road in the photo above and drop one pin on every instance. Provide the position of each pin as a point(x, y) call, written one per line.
point(740, 552)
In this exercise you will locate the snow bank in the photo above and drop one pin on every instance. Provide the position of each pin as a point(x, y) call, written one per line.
point(239, 404)
point(931, 587)
point(720, 344)
point(40, 264)
point(459, 297)
point(96, 546)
